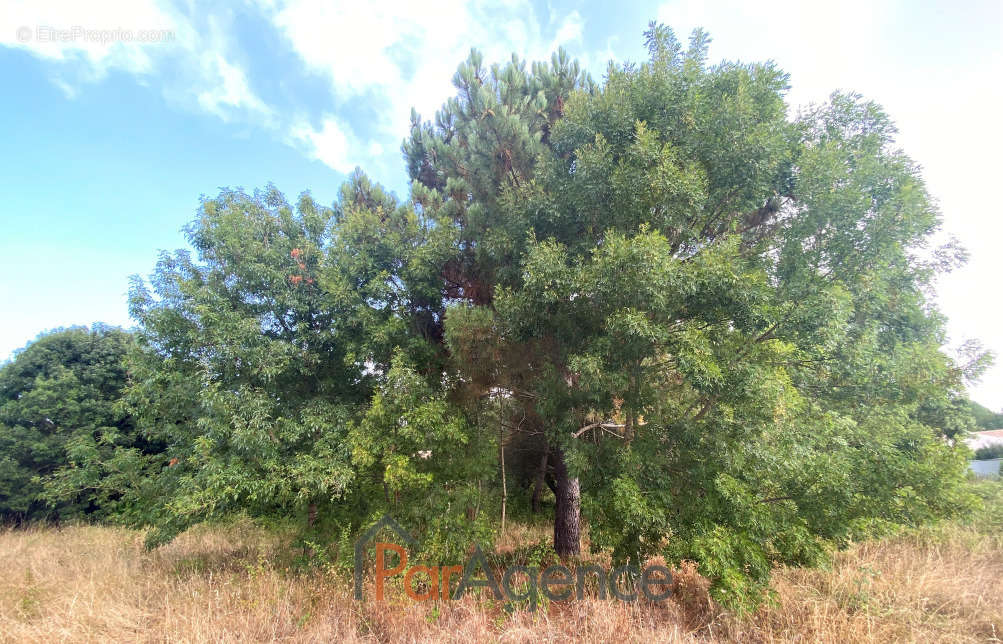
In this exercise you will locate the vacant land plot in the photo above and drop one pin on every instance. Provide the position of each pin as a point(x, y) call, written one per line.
point(88, 583)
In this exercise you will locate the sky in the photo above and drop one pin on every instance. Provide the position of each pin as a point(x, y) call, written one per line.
point(118, 116)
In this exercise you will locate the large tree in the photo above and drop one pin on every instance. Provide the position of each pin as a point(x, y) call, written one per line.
point(60, 421)
point(715, 317)
point(293, 367)
point(242, 371)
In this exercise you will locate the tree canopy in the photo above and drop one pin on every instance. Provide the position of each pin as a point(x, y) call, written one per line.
point(61, 423)
point(716, 316)
point(985, 418)
point(704, 323)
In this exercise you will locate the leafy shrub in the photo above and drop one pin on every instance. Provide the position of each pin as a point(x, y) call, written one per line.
point(988, 453)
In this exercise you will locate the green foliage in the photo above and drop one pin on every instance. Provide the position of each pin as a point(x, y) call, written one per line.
point(984, 417)
point(709, 317)
point(988, 517)
point(713, 313)
point(989, 453)
point(241, 369)
point(61, 428)
point(278, 367)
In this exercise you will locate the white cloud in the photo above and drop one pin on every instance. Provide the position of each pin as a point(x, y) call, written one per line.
point(404, 54)
point(97, 34)
point(824, 46)
point(85, 41)
point(229, 89)
point(570, 30)
point(390, 56)
point(329, 144)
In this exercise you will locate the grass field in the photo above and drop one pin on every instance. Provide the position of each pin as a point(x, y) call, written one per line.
point(94, 583)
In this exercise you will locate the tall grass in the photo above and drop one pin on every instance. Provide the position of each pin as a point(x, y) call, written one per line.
point(237, 583)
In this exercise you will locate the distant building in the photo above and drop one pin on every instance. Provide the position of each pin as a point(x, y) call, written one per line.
point(978, 440)
point(987, 438)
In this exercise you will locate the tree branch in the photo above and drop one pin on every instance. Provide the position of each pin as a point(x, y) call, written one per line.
point(600, 425)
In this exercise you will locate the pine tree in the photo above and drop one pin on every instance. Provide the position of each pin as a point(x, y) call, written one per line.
point(482, 153)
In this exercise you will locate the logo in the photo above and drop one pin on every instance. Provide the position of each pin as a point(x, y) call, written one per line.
point(557, 582)
point(360, 549)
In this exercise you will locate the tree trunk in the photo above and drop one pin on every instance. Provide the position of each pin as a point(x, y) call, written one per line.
point(541, 475)
point(567, 512)
point(504, 498)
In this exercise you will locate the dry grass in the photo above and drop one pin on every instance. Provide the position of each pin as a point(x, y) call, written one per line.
point(934, 586)
point(87, 583)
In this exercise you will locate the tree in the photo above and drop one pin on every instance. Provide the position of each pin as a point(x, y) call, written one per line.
point(715, 316)
point(242, 371)
point(985, 418)
point(59, 419)
point(291, 367)
point(467, 172)
point(989, 453)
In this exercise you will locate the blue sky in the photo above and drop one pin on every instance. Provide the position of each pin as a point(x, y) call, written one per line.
point(116, 117)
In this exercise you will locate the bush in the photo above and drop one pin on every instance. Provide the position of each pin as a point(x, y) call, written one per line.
point(989, 453)
point(60, 423)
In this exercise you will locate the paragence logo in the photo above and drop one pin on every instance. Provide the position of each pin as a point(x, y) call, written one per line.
point(557, 582)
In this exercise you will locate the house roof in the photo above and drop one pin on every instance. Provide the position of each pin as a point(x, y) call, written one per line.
point(991, 432)
point(985, 438)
